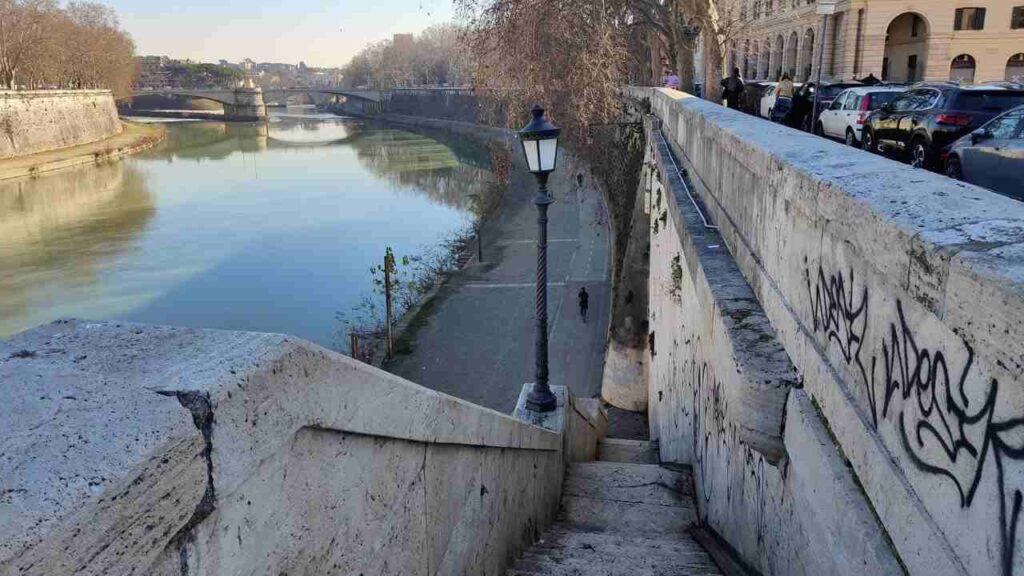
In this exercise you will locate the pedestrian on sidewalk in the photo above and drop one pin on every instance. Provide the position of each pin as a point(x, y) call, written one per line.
point(584, 303)
point(780, 112)
point(671, 80)
point(733, 86)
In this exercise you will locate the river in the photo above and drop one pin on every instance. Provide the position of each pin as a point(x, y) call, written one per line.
point(270, 228)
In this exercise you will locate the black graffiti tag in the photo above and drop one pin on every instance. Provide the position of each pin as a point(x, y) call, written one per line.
point(943, 430)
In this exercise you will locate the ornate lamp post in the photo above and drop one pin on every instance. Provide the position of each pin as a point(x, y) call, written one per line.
point(540, 145)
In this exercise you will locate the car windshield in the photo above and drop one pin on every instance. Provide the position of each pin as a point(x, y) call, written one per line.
point(878, 99)
point(989, 101)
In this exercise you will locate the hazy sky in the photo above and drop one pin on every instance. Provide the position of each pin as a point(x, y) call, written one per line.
point(318, 32)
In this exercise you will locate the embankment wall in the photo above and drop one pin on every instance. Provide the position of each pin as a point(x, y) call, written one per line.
point(40, 121)
point(898, 297)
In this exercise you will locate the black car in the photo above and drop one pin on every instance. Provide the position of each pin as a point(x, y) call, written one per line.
point(753, 92)
point(992, 156)
point(926, 120)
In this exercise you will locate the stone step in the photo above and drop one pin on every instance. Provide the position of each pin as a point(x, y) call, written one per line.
point(643, 483)
point(565, 551)
point(628, 499)
point(629, 451)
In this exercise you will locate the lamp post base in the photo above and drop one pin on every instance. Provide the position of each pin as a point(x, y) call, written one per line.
point(541, 399)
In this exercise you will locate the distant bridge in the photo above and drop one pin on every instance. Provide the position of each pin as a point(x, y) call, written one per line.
point(249, 104)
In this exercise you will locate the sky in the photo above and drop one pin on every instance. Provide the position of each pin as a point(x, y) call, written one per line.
point(320, 33)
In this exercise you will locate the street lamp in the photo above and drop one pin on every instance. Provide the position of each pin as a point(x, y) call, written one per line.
point(540, 145)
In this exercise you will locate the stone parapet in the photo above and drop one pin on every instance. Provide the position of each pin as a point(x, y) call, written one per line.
point(137, 449)
point(898, 295)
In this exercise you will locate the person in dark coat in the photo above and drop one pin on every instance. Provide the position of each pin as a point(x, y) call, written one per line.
point(870, 80)
point(584, 299)
point(733, 92)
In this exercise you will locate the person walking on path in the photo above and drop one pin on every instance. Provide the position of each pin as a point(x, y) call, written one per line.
point(733, 89)
point(584, 303)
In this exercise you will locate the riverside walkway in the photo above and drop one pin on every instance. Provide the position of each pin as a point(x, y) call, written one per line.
point(478, 342)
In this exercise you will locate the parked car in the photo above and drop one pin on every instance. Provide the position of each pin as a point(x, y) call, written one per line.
point(928, 118)
point(803, 102)
point(769, 98)
point(845, 117)
point(753, 93)
point(992, 156)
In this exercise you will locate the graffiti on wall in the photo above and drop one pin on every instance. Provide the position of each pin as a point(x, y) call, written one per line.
point(946, 429)
point(724, 467)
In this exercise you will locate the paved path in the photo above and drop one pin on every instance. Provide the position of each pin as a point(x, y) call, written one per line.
point(479, 342)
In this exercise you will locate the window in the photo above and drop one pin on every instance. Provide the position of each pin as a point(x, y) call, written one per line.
point(912, 68)
point(969, 19)
point(905, 103)
point(837, 104)
point(961, 69)
point(995, 101)
point(1017, 18)
point(917, 100)
point(878, 99)
point(915, 26)
point(1005, 127)
point(852, 102)
point(1015, 68)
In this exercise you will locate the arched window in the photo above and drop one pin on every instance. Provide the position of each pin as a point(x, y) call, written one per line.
point(1015, 68)
point(962, 69)
point(777, 64)
point(792, 49)
point(907, 41)
point(806, 63)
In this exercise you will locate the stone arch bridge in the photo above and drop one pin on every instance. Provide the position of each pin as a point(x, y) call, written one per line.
point(249, 104)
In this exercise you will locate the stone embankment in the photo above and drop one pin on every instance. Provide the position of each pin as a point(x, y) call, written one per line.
point(42, 131)
point(835, 347)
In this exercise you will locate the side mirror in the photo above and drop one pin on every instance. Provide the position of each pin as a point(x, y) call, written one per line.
point(979, 135)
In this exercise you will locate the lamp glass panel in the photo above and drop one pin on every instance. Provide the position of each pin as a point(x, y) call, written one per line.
point(532, 154)
point(548, 154)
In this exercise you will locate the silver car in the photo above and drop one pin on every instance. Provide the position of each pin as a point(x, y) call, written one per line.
point(992, 156)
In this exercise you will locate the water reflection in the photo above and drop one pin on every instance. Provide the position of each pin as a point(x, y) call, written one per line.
point(415, 163)
point(269, 227)
point(59, 232)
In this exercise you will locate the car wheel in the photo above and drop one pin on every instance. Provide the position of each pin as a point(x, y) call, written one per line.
point(851, 138)
point(953, 168)
point(868, 143)
point(919, 156)
point(820, 129)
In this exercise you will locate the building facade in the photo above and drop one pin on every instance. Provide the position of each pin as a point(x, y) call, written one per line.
point(897, 40)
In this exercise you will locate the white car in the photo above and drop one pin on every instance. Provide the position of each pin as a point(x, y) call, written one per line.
point(769, 98)
point(845, 118)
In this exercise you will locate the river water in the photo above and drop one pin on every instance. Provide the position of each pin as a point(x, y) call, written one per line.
point(271, 228)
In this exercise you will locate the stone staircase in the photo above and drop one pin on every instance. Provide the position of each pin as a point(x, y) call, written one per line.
point(621, 515)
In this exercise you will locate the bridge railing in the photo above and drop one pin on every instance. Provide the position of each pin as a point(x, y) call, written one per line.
point(898, 295)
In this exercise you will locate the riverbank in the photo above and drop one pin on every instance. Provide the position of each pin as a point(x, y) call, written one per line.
point(134, 138)
point(474, 337)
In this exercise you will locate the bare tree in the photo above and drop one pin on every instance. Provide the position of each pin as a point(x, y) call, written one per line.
point(23, 29)
point(436, 57)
